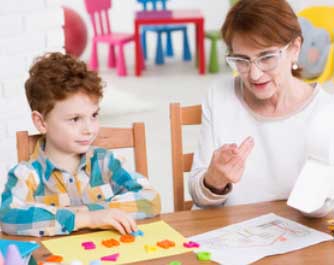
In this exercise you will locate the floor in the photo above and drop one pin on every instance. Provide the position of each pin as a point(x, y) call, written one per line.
point(132, 99)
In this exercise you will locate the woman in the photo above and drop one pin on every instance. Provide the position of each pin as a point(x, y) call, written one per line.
point(252, 143)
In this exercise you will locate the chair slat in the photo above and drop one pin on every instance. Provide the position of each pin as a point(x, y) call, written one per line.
point(187, 162)
point(113, 138)
point(190, 115)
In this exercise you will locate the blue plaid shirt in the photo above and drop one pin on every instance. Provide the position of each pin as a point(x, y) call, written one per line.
point(40, 199)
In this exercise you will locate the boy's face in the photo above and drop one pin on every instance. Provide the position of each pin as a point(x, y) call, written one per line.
point(72, 125)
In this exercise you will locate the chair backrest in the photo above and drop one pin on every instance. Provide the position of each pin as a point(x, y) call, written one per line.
point(320, 16)
point(109, 138)
point(98, 12)
point(179, 116)
point(153, 4)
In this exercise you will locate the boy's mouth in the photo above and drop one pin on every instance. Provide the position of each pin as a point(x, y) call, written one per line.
point(84, 142)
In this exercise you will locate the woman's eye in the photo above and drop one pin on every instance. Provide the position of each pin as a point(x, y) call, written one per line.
point(95, 115)
point(268, 58)
point(242, 62)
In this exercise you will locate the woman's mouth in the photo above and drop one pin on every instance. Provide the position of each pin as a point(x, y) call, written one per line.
point(260, 86)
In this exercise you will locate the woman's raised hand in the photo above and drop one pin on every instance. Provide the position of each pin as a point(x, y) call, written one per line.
point(227, 164)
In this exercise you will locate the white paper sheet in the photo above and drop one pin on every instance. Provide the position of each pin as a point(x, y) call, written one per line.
point(251, 240)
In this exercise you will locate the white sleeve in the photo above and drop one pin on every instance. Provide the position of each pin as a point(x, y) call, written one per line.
point(201, 195)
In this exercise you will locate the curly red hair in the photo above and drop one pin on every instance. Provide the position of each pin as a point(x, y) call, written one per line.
point(55, 76)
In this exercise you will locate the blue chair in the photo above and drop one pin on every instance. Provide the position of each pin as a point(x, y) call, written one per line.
point(169, 52)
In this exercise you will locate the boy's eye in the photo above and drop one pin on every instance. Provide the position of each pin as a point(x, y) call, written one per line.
point(75, 119)
point(95, 115)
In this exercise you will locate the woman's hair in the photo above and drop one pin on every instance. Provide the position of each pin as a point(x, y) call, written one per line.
point(264, 22)
point(55, 76)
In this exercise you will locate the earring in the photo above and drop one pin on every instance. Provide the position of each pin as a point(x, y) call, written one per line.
point(294, 66)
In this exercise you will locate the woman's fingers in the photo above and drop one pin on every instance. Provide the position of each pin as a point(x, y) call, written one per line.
point(246, 147)
point(233, 169)
point(229, 160)
point(226, 152)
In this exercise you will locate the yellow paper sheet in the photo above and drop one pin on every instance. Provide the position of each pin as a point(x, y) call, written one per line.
point(70, 246)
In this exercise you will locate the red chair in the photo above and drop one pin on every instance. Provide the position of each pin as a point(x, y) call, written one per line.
point(98, 11)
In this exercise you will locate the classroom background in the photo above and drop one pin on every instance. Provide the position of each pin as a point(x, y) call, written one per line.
point(30, 28)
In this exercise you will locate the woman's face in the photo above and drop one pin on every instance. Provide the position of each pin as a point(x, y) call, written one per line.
point(270, 68)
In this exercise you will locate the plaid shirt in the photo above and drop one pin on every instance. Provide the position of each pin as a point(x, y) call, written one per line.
point(41, 200)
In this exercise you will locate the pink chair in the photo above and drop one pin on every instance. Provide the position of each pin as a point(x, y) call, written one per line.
point(98, 11)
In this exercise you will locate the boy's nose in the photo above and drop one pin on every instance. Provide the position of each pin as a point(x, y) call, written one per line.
point(88, 127)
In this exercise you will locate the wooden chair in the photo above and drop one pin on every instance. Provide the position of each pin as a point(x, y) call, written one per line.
point(109, 138)
point(98, 11)
point(179, 116)
point(159, 5)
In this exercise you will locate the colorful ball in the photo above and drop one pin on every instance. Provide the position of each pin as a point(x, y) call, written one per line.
point(75, 32)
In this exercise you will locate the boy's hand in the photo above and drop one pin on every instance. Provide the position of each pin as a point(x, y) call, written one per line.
point(106, 219)
point(227, 164)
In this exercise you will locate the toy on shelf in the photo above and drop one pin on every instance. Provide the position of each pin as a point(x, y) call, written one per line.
point(321, 17)
point(155, 5)
point(315, 52)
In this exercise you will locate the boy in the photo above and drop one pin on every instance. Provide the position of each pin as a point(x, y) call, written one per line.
point(67, 184)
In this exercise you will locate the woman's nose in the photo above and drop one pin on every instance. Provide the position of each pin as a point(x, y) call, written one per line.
point(254, 72)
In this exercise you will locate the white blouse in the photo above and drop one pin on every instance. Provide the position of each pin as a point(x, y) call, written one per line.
point(277, 157)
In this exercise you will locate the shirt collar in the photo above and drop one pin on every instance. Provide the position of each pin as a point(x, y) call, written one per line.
point(47, 166)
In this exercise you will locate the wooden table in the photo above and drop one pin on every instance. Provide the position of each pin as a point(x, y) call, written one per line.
point(199, 221)
point(160, 17)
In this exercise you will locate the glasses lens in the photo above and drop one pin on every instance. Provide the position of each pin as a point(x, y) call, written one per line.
point(267, 62)
point(238, 64)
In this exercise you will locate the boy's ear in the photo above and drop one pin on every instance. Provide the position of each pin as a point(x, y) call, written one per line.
point(39, 122)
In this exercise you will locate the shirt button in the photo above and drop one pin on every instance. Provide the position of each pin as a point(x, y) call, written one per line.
point(41, 233)
point(71, 180)
point(99, 196)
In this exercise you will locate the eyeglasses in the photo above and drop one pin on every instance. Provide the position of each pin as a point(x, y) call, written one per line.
point(265, 62)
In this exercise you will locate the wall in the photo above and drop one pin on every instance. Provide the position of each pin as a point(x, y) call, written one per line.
point(28, 29)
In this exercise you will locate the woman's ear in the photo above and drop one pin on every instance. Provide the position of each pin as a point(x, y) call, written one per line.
point(296, 46)
point(39, 122)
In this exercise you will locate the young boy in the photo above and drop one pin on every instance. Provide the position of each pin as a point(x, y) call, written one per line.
point(67, 184)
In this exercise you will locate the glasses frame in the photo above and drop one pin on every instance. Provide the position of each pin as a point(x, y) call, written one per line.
point(256, 60)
